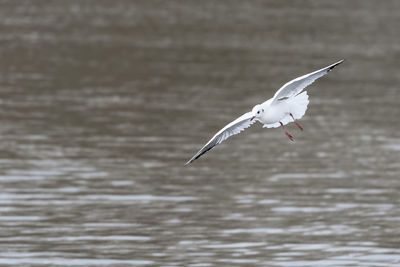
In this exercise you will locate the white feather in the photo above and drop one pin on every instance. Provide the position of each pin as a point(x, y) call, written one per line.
point(235, 127)
point(295, 86)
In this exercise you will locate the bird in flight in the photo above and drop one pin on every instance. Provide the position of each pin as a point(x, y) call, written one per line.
point(287, 105)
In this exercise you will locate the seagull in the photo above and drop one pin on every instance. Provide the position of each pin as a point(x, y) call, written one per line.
point(287, 105)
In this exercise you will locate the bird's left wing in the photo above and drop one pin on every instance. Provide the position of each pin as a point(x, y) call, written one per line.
point(296, 86)
point(232, 128)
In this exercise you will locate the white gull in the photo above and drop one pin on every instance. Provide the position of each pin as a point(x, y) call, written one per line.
point(287, 105)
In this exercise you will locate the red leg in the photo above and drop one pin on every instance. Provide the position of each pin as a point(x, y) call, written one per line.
point(287, 134)
point(298, 125)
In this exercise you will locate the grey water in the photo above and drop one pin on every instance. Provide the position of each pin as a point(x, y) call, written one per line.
point(102, 103)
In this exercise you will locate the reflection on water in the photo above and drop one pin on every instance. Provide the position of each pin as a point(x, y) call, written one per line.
point(102, 102)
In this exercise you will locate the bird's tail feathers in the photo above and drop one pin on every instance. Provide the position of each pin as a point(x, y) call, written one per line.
point(298, 106)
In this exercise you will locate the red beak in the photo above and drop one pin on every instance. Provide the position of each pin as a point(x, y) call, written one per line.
point(252, 118)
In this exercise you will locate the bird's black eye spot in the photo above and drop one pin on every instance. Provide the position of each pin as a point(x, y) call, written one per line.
point(258, 112)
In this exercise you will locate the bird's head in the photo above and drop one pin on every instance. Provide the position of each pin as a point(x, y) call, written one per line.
point(257, 112)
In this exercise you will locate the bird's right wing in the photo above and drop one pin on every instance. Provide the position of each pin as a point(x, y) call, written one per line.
point(230, 129)
point(296, 86)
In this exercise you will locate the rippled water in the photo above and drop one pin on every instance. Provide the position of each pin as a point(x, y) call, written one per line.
point(102, 102)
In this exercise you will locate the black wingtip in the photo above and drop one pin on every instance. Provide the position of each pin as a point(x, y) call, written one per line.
point(335, 64)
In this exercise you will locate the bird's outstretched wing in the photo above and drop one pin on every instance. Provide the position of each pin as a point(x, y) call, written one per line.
point(296, 86)
point(232, 128)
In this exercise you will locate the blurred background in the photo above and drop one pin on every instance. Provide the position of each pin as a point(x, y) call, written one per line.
point(102, 103)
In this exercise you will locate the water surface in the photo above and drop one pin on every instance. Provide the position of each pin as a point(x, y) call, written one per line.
point(102, 102)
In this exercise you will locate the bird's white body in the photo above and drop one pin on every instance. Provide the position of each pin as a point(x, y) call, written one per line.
point(287, 105)
point(280, 112)
point(272, 113)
